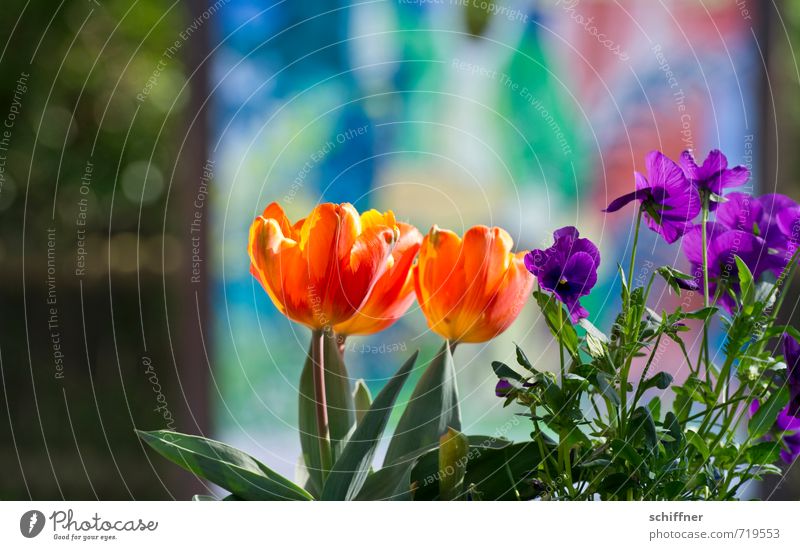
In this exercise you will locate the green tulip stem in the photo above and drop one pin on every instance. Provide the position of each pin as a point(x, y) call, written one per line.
point(320, 399)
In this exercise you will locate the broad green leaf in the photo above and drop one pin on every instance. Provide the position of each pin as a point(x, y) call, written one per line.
point(362, 399)
point(230, 468)
point(660, 380)
point(655, 407)
point(767, 413)
point(492, 473)
point(553, 396)
point(607, 390)
point(522, 359)
point(341, 411)
point(643, 425)
point(746, 284)
point(703, 314)
point(431, 409)
point(426, 461)
point(626, 451)
point(504, 371)
point(390, 483)
point(350, 471)
point(765, 452)
point(453, 447)
point(558, 321)
point(696, 440)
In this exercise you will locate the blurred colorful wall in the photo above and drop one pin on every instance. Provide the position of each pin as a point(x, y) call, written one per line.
point(527, 115)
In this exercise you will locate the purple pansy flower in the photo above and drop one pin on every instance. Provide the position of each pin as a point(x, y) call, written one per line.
point(568, 269)
point(668, 200)
point(714, 175)
point(785, 423)
point(759, 217)
point(503, 388)
point(723, 244)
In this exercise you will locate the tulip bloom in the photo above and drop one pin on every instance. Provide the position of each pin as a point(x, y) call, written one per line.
point(470, 289)
point(320, 270)
point(393, 294)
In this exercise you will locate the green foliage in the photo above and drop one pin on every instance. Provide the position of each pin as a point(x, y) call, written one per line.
point(350, 470)
point(341, 412)
point(614, 447)
point(431, 410)
point(231, 469)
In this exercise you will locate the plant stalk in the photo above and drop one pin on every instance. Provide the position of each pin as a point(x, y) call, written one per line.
point(320, 398)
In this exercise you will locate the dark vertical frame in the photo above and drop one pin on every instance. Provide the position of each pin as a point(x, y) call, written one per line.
point(191, 306)
point(779, 166)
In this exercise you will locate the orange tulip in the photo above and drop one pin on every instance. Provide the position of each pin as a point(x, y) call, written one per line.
point(393, 293)
point(320, 270)
point(470, 289)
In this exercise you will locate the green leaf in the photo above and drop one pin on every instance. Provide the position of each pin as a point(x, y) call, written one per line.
point(672, 276)
point(767, 413)
point(695, 440)
point(765, 452)
point(390, 483)
point(625, 450)
point(643, 425)
point(553, 396)
point(558, 321)
point(362, 399)
point(230, 468)
point(501, 474)
point(522, 359)
point(203, 498)
point(431, 409)
point(746, 284)
point(341, 411)
point(350, 471)
point(655, 407)
point(453, 447)
point(660, 380)
point(674, 430)
point(703, 314)
point(606, 388)
point(504, 371)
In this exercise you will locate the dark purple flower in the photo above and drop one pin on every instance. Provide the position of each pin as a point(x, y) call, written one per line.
point(668, 200)
point(687, 284)
point(503, 388)
point(723, 244)
point(791, 355)
point(714, 175)
point(568, 269)
point(792, 451)
point(791, 438)
point(759, 216)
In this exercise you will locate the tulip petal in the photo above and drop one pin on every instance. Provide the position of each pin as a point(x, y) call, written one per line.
point(393, 293)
